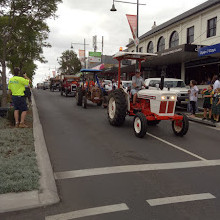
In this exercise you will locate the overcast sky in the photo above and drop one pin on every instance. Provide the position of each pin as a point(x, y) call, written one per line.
point(79, 19)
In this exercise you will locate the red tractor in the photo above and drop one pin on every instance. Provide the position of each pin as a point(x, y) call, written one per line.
point(91, 89)
point(152, 106)
point(69, 85)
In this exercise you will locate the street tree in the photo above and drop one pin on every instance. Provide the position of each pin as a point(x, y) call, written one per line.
point(69, 63)
point(23, 33)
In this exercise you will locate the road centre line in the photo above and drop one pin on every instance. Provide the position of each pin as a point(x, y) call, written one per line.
point(178, 199)
point(89, 212)
point(175, 146)
point(134, 168)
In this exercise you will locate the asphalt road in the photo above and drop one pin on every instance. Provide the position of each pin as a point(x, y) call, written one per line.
point(81, 141)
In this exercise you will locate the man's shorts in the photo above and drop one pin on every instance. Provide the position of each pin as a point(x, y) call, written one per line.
point(19, 103)
point(134, 91)
point(207, 105)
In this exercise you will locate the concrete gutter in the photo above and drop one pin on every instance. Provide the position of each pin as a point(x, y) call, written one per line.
point(47, 194)
point(205, 122)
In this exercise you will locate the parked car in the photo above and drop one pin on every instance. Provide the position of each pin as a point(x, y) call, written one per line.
point(46, 85)
point(69, 84)
point(175, 85)
point(40, 85)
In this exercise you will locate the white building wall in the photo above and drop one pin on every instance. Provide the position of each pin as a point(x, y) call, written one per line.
point(199, 21)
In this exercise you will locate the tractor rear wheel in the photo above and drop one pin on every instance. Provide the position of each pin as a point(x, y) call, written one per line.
point(140, 125)
point(180, 127)
point(84, 103)
point(117, 107)
point(79, 97)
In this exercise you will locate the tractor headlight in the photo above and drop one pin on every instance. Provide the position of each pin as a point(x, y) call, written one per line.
point(172, 97)
point(163, 97)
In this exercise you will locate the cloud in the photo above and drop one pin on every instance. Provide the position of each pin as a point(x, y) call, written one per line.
point(79, 19)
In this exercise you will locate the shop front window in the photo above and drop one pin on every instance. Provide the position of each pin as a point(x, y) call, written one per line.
point(161, 44)
point(174, 39)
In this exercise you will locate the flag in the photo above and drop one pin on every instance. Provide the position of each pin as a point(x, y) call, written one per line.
point(81, 53)
point(132, 20)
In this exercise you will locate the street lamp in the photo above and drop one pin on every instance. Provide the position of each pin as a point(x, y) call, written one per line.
point(114, 9)
point(84, 44)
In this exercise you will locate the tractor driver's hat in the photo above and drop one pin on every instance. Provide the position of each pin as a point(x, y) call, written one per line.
point(138, 71)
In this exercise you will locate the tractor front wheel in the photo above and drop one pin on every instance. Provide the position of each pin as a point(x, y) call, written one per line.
point(180, 127)
point(84, 102)
point(117, 107)
point(79, 97)
point(99, 103)
point(140, 125)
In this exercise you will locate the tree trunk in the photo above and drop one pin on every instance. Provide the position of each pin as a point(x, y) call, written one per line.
point(4, 86)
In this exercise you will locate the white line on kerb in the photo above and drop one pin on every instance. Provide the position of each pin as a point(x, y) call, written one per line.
point(178, 199)
point(89, 212)
point(175, 146)
point(134, 168)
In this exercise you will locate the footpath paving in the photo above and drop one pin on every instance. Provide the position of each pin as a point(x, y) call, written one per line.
point(47, 194)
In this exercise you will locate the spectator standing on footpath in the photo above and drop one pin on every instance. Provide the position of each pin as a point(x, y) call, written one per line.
point(216, 106)
point(207, 104)
point(216, 84)
point(193, 96)
point(17, 87)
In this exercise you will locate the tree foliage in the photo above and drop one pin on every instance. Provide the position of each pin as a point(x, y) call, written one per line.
point(69, 63)
point(23, 34)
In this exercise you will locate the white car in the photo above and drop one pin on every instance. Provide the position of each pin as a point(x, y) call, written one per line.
point(175, 85)
point(107, 85)
point(126, 84)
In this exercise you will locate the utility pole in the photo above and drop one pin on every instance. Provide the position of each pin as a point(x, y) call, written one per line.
point(84, 45)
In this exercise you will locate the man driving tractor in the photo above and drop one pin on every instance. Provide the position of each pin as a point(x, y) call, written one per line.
point(137, 83)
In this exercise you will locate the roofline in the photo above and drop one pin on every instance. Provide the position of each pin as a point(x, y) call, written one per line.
point(199, 8)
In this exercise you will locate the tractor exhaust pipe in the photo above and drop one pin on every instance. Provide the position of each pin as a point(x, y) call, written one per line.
point(162, 80)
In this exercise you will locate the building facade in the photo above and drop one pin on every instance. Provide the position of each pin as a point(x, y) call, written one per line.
point(177, 42)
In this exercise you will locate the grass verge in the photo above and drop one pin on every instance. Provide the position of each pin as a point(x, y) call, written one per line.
point(18, 165)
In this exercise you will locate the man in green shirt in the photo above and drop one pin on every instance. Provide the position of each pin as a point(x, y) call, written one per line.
point(17, 87)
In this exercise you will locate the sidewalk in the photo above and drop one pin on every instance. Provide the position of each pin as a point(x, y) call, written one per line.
point(47, 194)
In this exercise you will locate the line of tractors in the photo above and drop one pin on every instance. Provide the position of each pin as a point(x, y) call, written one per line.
point(152, 106)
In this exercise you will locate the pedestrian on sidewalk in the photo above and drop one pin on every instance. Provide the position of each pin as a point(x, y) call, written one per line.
point(207, 104)
point(193, 96)
point(216, 106)
point(216, 84)
point(17, 87)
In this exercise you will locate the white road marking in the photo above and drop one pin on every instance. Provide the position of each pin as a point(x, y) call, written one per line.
point(134, 168)
point(89, 212)
point(178, 199)
point(175, 146)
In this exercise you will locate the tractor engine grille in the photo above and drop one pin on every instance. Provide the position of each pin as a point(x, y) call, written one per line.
point(166, 107)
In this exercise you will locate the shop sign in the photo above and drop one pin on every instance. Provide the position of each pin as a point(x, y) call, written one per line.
point(95, 54)
point(205, 51)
